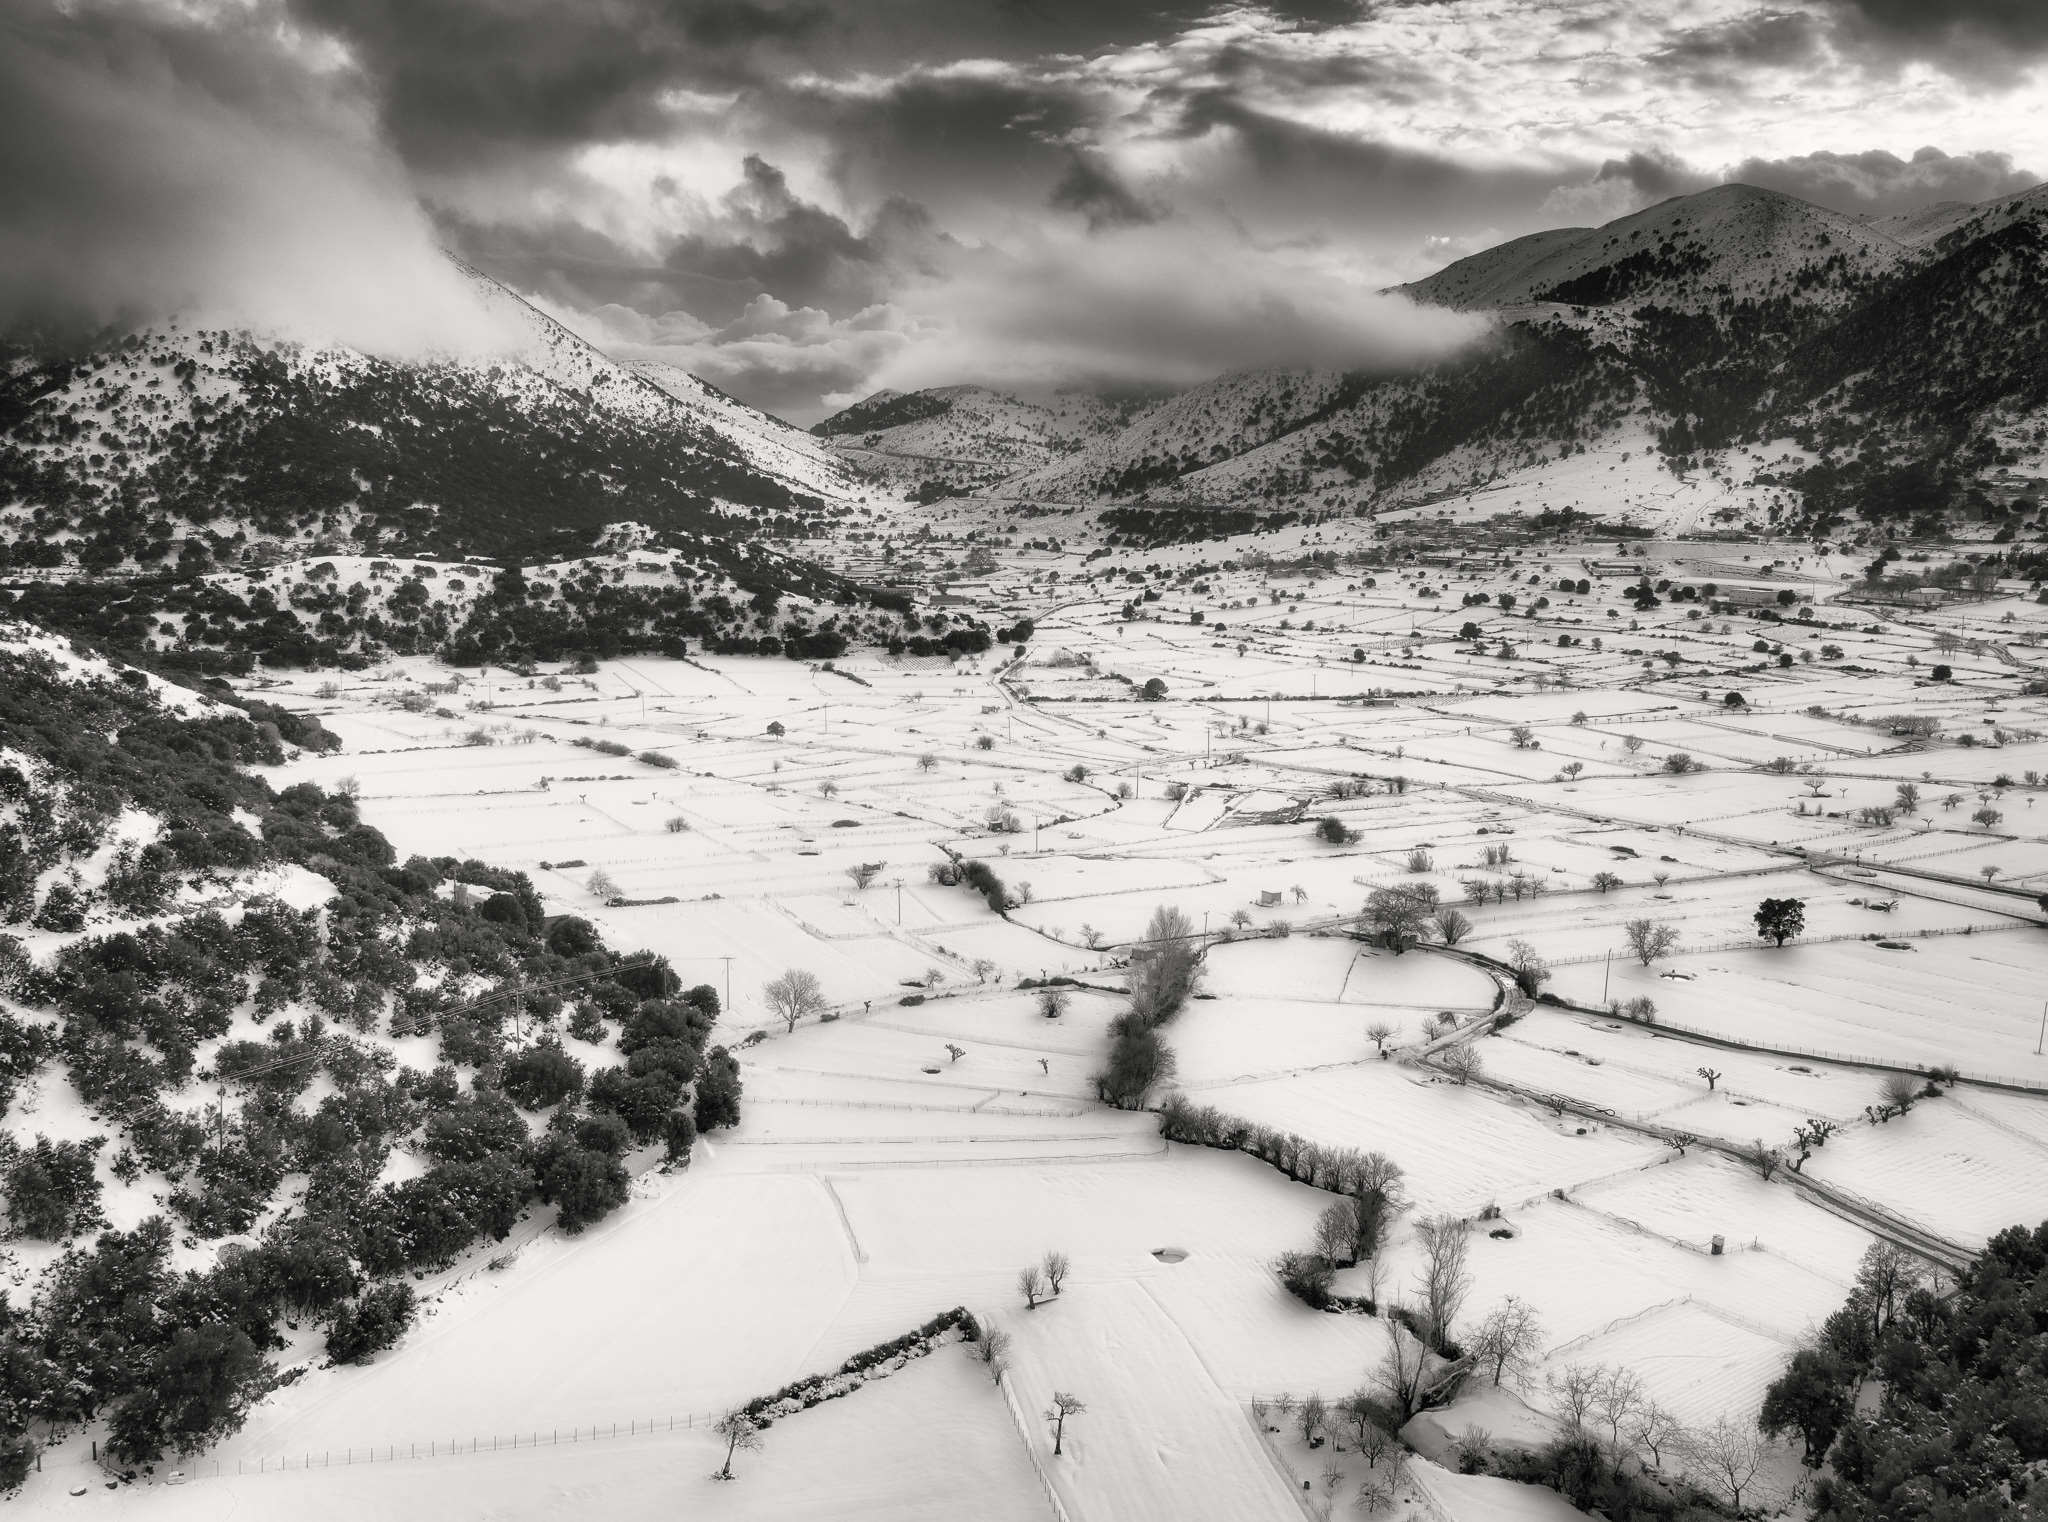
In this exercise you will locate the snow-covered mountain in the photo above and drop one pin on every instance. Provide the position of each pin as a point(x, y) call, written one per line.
point(1812, 366)
point(1686, 254)
point(190, 444)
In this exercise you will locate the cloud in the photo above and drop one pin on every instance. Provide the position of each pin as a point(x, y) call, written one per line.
point(1879, 182)
point(1971, 27)
point(152, 165)
point(798, 362)
point(464, 84)
point(1092, 187)
point(1152, 305)
point(1621, 186)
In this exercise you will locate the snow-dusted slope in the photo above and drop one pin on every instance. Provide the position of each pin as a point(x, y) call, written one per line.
point(777, 447)
point(1685, 253)
point(970, 435)
point(1203, 425)
point(214, 432)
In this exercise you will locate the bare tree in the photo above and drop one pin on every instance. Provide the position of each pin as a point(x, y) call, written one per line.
point(1656, 1429)
point(1509, 1340)
point(865, 872)
point(1616, 1400)
point(1056, 1266)
point(1650, 939)
point(1052, 1002)
point(1380, 1032)
point(1031, 1285)
point(992, 1346)
point(1337, 1232)
point(1444, 1282)
point(602, 886)
point(796, 995)
point(1766, 1160)
point(1726, 1456)
point(1310, 1417)
point(1403, 1369)
point(1712, 1075)
point(1898, 1091)
point(1451, 926)
point(1531, 971)
point(1063, 1406)
point(1575, 1389)
point(1462, 1062)
point(742, 1434)
point(1887, 1274)
point(1358, 1411)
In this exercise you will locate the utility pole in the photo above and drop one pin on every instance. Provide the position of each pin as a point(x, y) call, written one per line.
point(1606, 968)
point(728, 983)
point(899, 901)
point(2044, 1030)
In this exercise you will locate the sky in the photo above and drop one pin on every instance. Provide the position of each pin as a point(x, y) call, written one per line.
point(804, 201)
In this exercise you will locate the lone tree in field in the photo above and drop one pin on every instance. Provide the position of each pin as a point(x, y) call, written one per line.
point(1379, 1033)
point(1605, 882)
point(1056, 1266)
point(1052, 1002)
point(1780, 919)
point(1712, 1075)
point(794, 996)
point(1063, 1406)
point(742, 1434)
point(865, 872)
point(1451, 926)
point(1031, 1285)
point(602, 886)
point(1400, 917)
point(1650, 939)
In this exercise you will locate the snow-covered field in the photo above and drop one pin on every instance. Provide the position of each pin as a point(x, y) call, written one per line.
point(939, 1132)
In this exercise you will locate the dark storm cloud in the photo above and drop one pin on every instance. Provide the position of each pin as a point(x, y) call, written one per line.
point(1094, 189)
point(2004, 23)
point(463, 82)
point(1768, 38)
point(152, 161)
point(1879, 183)
point(1279, 167)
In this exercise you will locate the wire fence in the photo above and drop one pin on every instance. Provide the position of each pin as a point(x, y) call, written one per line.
point(1045, 1484)
point(1986, 927)
point(454, 1447)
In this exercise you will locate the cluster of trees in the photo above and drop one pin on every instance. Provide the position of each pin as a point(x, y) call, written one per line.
point(1958, 1431)
point(172, 1358)
point(1165, 969)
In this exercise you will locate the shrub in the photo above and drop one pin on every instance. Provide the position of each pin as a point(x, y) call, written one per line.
point(658, 758)
point(542, 1075)
point(373, 1323)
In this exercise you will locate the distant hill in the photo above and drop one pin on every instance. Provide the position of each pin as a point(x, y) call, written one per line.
point(1734, 358)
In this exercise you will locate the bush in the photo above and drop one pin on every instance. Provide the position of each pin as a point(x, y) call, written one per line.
point(658, 758)
point(373, 1323)
point(542, 1075)
point(1306, 1276)
point(586, 1185)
